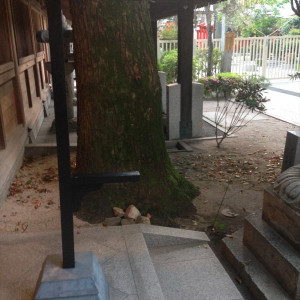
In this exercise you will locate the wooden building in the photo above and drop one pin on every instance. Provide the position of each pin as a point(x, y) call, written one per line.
point(24, 83)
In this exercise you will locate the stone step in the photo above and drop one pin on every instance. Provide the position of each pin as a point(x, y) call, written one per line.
point(146, 282)
point(259, 281)
point(192, 272)
point(140, 262)
point(276, 254)
point(186, 266)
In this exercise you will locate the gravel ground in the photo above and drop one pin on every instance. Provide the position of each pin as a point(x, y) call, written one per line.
point(231, 180)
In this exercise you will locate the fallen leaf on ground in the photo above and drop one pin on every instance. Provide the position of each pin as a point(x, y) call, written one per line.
point(24, 226)
point(37, 204)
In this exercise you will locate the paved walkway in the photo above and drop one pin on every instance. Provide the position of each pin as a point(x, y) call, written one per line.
point(285, 100)
point(140, 262)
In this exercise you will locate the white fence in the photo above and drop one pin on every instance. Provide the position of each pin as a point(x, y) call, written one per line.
point(272, 57)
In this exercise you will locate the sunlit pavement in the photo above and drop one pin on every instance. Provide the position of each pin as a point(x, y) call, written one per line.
point(284, 104)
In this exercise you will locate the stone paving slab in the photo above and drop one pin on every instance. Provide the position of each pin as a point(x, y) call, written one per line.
point(192, 272)
point(124, 257)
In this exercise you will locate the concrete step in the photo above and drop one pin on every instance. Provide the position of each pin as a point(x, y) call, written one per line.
point(146, 283)
point(260, 282)
point(277, 255)
point(140, 262)
point(186, 266)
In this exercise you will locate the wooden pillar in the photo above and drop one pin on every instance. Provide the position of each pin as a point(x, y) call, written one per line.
point(185, 64)
point(154, 35)
point(227, 53)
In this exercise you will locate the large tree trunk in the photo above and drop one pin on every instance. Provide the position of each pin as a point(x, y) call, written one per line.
point(119, 104)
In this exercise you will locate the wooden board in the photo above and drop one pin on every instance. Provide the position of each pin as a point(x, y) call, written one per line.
point(8, 111)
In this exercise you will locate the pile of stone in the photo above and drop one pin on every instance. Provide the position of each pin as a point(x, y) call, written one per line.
point(130, 216)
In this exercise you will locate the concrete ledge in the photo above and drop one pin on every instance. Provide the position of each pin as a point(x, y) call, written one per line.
point(157, 236)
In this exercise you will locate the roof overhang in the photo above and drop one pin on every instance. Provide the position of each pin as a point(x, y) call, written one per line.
point(159, 9)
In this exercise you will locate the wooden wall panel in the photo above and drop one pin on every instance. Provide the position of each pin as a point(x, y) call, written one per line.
point(24, 93)
point(32, 86)
point(8, 109)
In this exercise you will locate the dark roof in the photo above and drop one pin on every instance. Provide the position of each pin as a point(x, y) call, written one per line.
point(159, 9)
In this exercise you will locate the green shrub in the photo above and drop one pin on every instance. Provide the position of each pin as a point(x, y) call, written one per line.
point(251, 94)
point(229, 75)
point(201, 61)
point(256, 79)
point(169, 33)
point(294, 31)
point(247, 97)
point(168, 63)
point(221, 84)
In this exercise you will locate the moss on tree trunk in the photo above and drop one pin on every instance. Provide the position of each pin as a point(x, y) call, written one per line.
point(119, 105)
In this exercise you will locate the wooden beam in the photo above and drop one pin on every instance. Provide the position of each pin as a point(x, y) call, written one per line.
point(154, 35)
point(160, 9)
point(185, 64)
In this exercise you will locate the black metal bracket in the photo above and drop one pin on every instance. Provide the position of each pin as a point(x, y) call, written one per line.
point(82, 184)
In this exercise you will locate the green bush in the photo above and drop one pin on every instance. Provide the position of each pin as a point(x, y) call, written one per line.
point(221, 84)
point(229, 75)
point(201, 61)
point(168, 63)
point(169, 33)
point(256, 79)
point(251, 94)
point(294, 31)
point(247, 96)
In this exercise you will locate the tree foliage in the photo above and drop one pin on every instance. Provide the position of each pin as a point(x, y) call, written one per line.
point(169, 32)
point(263, 23)
point(294, 23)
point(253, 17)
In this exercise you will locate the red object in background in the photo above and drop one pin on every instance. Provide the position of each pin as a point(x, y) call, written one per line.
point(202, 31)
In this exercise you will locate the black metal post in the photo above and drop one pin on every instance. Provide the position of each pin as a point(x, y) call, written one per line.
point(62, 134)
point(185, 64)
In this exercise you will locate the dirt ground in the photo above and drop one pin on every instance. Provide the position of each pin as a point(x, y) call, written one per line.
point(231, 180)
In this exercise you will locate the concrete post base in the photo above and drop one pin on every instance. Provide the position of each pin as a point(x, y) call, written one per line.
point(85, 281)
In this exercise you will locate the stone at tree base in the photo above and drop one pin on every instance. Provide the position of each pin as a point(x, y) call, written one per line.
point(118, 212)
point(143, 220)
point(85, 281)
point(132, 212)
point(113, 221)
point(127, 221)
